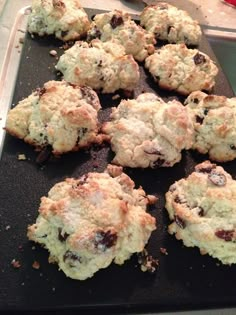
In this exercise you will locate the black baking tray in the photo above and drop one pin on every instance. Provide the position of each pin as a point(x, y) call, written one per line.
point(184, 280)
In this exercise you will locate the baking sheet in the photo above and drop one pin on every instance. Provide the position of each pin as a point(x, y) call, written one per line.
point(184, 279)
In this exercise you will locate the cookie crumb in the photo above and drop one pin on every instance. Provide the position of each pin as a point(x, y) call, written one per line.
point(7, 227)
point(15, 264)
point(163, 250)
point(36, 265)
point(115, 97)
point(21, 157)
point(53, 53)
point(147, 262)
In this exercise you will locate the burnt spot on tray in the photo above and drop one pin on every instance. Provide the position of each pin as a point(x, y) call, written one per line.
point(199, 59)
point(180, 222)
point(217, 178)
point(62, 237)
point(44, 155)
point(225, 235)
point(104, 240)
point(116, 21)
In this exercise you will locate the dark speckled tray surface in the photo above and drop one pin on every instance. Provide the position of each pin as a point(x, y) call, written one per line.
point(184, 279)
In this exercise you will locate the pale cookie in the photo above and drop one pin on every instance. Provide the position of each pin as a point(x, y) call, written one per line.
point(214, 119)
point(203, 210)
point(177, 68)
point(64, 18)
point(147, 132)
point(58, 115)
point(103, 66)
point(89, 222)
point(169, 23)
point(118, 26)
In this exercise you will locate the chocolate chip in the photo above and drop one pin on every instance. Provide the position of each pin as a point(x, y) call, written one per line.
point(94, 33)
point(44, 155)
point(158, 162)
point(71, 256)
point(201, 212)
point(225, 235)
point(64, 33)
point(199, 59)
point(41, 91)
point(62, 237)
point(169, 28)
point(105, 240)
point(205, 112)
point(180, 222)
point(157, 78)
point(116, 21)
point(88, 94)
point(217, 179)
point(199, 119)
point(205, 169)
point(196, 101)
point(232, 147)
point(177, 199)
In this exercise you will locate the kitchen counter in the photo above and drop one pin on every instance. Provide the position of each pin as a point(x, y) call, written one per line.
point(213, 14)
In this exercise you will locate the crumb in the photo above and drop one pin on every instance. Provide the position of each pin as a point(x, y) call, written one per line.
point(36, 265)
point(53, 53)
point(16, 264)
point(22, 283)
point(147, 262)
point(33, 247)
point(32, 35)
point(163, 250)
point(20, 247)
point(53, 289)
point(115, 97)
point(21, 157)
point(21, 40)
point(7, 227)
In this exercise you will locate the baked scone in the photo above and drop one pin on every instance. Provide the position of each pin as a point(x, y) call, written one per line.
point(60, 115)
point(175, 67)
point(118, 26)
point(64, 18)
point(102, 66)
point(147, 132)
point(203, 210)
point(89, 222)
point(169, 23)
point(214, 119)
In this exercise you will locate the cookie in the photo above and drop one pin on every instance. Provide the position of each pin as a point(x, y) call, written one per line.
point(89, 222)
point(59, 115)
point(118, 26)
point(102, 66)
point(202, 208)
point(214, 119)
point(169, 23)
point(177, 68)
point(66, 19)
point(147, 132)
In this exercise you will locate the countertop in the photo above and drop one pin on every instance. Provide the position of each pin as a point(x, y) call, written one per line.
point(211, 13)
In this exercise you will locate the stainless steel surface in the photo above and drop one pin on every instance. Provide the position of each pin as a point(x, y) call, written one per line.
point(10, 68)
